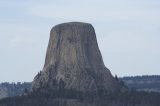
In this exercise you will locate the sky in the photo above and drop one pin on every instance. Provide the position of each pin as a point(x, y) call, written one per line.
point(128, 34)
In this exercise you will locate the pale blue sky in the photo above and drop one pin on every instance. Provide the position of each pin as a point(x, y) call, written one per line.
point(128, 33)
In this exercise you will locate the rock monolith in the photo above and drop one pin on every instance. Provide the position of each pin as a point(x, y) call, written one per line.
point(73, 57)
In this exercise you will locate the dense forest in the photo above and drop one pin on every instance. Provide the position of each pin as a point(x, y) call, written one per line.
point(71, 97)
point(140, 83)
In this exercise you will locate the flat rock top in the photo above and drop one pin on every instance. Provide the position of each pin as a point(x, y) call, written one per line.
point(73, 23)
point(72, 27)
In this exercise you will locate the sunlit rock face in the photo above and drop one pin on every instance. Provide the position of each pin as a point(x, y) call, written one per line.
point(73, 57)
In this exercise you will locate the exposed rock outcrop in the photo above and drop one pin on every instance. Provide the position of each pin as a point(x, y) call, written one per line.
point(73, 57)
point(3, 92)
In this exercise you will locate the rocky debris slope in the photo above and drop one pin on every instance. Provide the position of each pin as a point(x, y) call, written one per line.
point(73, 57)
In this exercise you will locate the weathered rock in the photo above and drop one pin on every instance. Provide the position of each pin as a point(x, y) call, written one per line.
point(73, 57)
point(3, 92)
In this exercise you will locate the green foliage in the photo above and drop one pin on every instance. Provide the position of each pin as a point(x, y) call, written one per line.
point(53, 97)
point(48, 97)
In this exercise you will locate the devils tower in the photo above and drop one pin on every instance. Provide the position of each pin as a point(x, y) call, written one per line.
point(74, 75)
point(73, 57)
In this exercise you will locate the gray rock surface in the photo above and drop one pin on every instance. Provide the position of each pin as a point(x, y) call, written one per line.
point(73, 56)
point(3, 92)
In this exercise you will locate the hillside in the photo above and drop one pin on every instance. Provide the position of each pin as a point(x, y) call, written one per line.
point(13, 89)
point(143, 83)
point(65, 97)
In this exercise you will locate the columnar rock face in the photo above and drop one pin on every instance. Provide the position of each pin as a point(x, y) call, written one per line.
point(73, 57)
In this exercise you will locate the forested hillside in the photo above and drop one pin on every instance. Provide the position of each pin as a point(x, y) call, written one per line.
point(143, 83)
point(13, 89)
